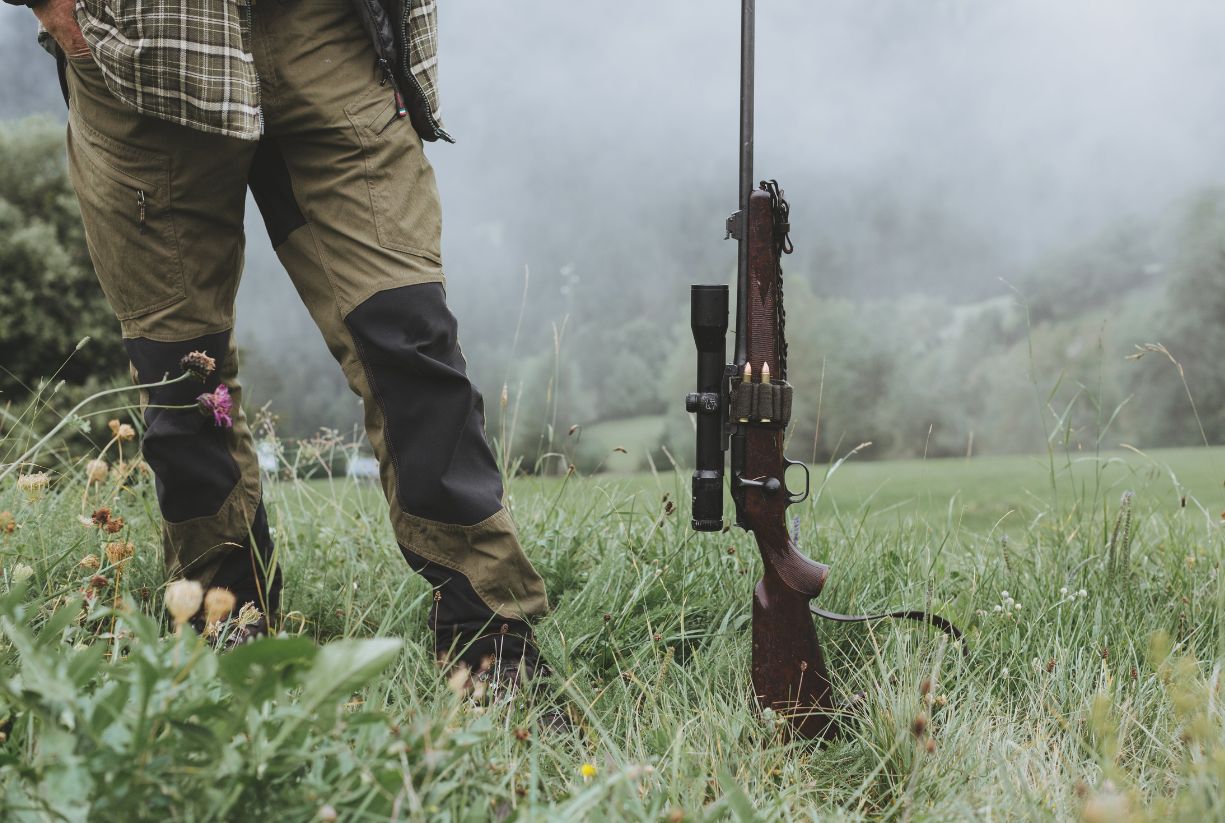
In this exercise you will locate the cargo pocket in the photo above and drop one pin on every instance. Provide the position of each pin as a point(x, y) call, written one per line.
point(125, 207)
point(403, 193)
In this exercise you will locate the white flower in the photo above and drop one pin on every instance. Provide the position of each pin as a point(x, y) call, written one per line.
point(1004, 595)
point(96, 470)
point(1082, 593)
point(1003, 672)
point(1016, 606)
point(183, 598)
point(1063, 592)
point(998, 608)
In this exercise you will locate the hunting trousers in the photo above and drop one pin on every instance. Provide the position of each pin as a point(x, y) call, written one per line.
point(350, 204)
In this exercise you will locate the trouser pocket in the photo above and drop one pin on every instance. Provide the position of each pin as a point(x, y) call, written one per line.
point(129, 225)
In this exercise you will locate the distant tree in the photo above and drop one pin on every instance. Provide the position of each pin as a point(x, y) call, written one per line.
point(50, 298)
point(1193, 331)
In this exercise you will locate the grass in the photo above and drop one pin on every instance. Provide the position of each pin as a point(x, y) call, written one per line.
point(1103, 705)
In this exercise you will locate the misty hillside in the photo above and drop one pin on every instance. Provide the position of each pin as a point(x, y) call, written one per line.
point(949, 164)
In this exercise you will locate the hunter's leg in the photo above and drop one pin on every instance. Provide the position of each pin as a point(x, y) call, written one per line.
point(162, 208)
point(350, 202)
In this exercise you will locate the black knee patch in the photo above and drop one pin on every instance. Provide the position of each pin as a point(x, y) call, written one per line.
point(435, 423)
point(188, 453)
point(269, 182)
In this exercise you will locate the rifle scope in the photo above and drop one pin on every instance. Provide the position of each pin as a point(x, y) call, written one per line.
point(708, 319)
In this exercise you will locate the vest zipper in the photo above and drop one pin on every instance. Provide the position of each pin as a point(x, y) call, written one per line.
point(439, 132)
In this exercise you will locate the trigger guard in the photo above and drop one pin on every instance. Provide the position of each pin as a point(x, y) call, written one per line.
point(794, 498)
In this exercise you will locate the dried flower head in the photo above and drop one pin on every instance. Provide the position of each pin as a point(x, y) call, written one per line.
point(33, 485)
point(218, 604)
point(248, 615)
point(98, 582)
point(183, 598)
point(8, 523)
point(219, 404)
point(101, 516)
point(113, 526)
point(125, 433)
point(198, 364)
point(522, 734)
point(96, 470)
point(90, 562)
point(919, 727)
point(120, 552)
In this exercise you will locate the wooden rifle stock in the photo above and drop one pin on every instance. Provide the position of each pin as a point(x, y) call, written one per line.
point(789, 673)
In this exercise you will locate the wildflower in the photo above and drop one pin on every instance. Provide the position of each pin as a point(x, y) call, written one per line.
point(101, 516)
point(183, 599)
point(1082, 593)
point(33, 485)
point(1003, 672)
point(930, 746)
point(198, 364)
point(1016, 606)
point(20, 572)
point(522, 734)
point(122, 432)
point(90, 562)
point(1063, 592)
point(998, 608)
point(118, 553)
point(1004, 595)
point(248, 615)
point(113, 526)
point(96, 470)
point(919, 727)
point(327, 813)
point(588, 771)
point(8, 524)
point(98, 582)
point(218, 604)
point(942, 700)
point(219, 404)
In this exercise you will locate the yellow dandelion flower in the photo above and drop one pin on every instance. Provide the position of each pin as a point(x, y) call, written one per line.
point(588, 771)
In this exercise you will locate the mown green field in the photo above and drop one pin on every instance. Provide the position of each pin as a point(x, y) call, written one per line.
point(1091, 690)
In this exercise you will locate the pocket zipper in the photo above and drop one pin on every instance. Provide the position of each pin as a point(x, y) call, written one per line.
point(140, 203)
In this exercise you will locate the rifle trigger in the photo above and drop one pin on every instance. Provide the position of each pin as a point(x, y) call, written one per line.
point(798, 498)
point(733, 227)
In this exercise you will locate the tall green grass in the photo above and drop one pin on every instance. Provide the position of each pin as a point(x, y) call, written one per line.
point(1091, 689)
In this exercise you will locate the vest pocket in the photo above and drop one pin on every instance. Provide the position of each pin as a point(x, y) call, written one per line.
point(124, 195)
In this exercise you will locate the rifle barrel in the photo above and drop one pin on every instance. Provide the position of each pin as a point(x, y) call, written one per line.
point(748, 36)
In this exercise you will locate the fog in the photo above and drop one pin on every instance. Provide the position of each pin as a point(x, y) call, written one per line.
point(928, 147)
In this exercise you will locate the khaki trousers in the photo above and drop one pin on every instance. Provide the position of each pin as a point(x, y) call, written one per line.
point(350, 203)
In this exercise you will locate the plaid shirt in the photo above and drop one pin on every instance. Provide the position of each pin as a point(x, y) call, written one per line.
point(187, 61)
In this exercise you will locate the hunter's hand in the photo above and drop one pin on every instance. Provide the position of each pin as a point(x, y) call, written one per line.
point(59, 18)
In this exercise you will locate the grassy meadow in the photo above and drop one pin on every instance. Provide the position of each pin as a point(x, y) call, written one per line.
point(1089, 686)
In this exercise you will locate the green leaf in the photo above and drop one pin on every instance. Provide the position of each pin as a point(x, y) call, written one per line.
point(345, 666)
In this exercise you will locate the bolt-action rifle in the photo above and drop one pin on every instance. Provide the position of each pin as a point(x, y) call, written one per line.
point(744, 408)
